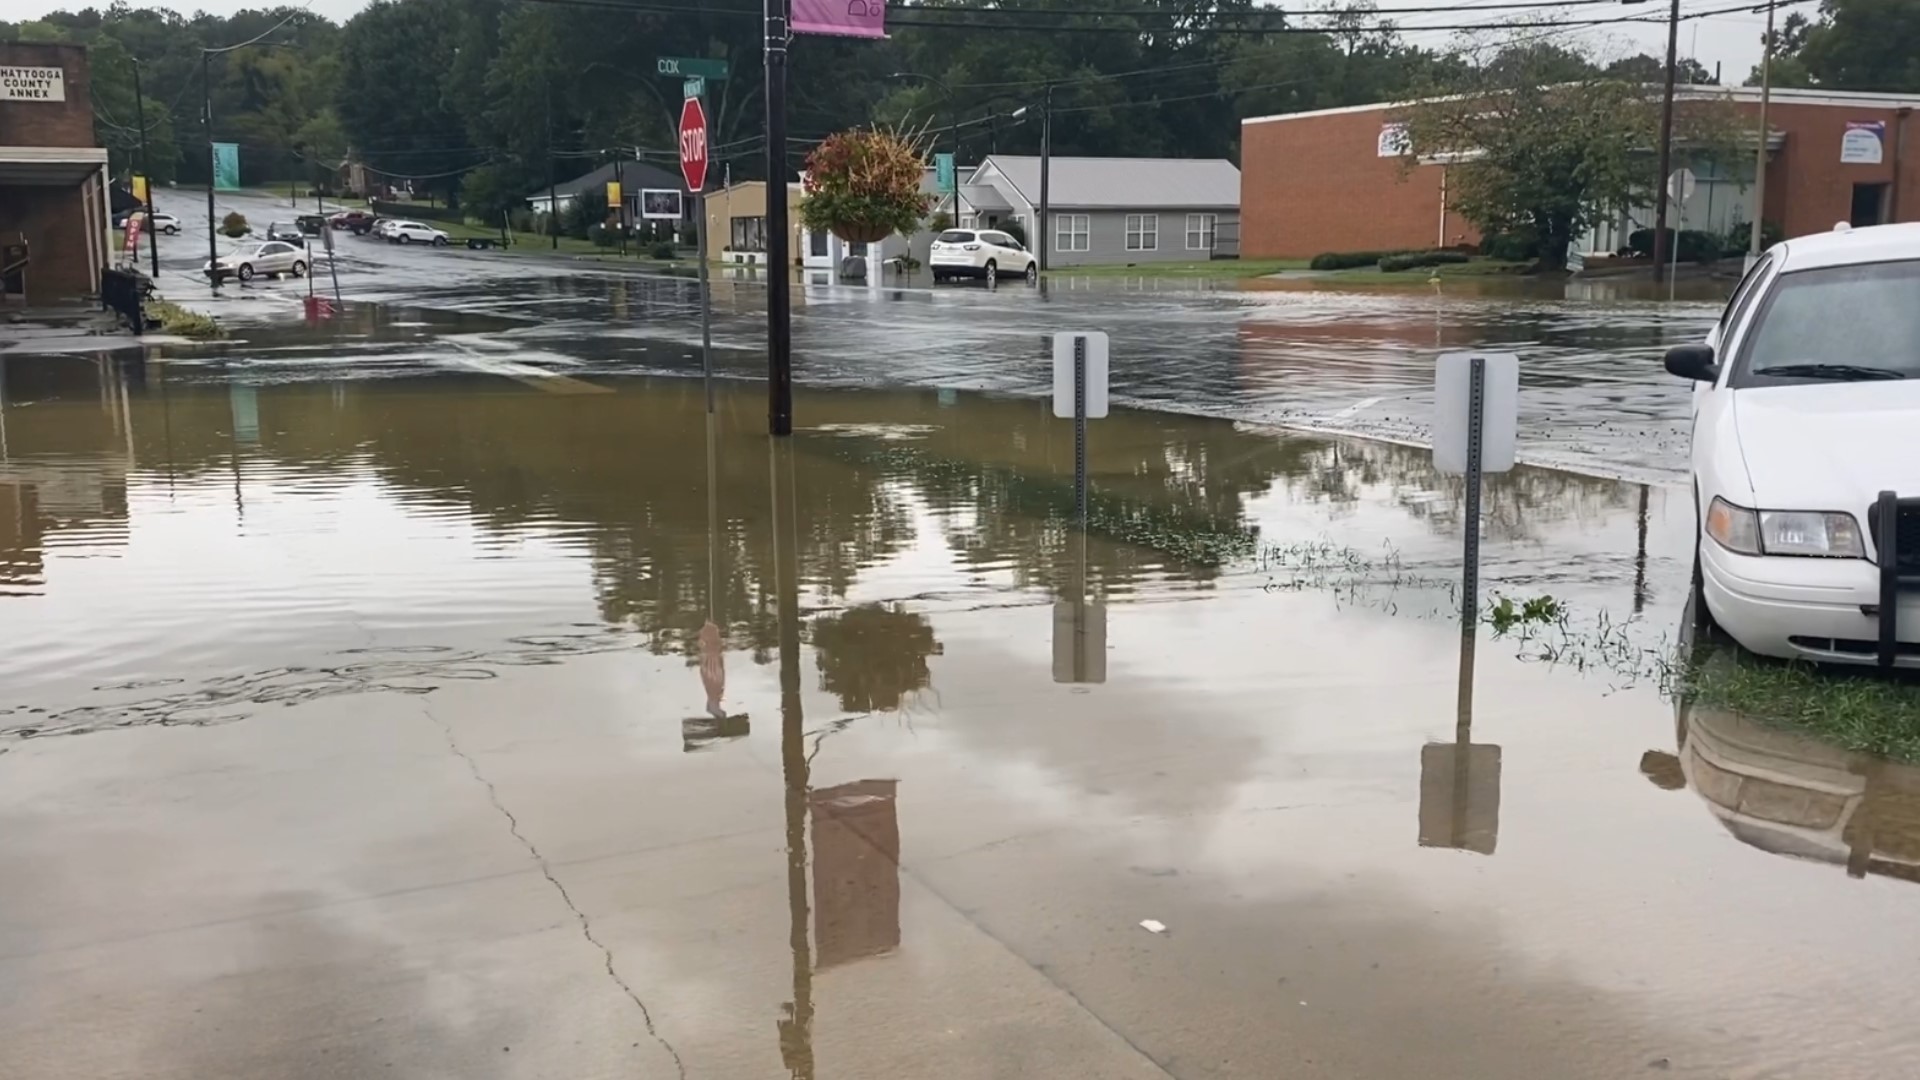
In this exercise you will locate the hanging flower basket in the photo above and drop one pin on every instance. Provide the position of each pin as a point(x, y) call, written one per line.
point(864, 185)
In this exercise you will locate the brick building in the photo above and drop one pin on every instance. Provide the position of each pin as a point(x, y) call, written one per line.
point(1335, 180)
point(53, 178)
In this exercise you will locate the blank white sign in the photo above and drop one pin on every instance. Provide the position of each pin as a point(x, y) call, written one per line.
point(1500, 408)
point(1096, 373)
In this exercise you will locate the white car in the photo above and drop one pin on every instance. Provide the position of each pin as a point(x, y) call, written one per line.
point(981, 253)
point(250, 260)
point(166, 223)
point(412, 232)
point(1806, 450)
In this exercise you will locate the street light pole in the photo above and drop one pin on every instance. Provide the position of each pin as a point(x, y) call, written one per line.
point(1660, 238)
point(1046, 170)
point(213, 169)
point(1760, 150)
point(153, 234)
point(779, 268)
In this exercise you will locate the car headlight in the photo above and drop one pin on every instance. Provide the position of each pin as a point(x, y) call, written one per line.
point(1810, 533)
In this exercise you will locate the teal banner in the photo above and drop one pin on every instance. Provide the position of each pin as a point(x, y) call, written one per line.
point(943, 172)
point(226, 166)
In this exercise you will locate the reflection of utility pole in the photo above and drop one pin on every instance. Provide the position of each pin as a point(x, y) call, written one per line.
point(1660, 238)
point(796, 1026)
point(1640, 556)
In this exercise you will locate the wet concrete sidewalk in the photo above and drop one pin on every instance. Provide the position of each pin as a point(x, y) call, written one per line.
point(445, 724)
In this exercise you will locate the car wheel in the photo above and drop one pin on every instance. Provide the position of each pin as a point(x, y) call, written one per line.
point(1033, 272)
point(439, 241)
point(993, 274)
point(404, 238)
point(299, 268)
point(171, 230)
point(246, 271)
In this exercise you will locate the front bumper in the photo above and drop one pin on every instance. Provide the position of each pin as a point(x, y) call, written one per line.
point(1825, 610)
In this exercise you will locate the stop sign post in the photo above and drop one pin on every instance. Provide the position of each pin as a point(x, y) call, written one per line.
point(693, 168)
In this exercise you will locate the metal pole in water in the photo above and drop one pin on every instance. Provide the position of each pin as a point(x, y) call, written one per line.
point(706, 296)
point(1476, 424)
point(1080, 428)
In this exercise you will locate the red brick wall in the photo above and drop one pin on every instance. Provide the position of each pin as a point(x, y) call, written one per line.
point(1318, 184)
point(1809, 189)
point(49, 123)
point(54, 220)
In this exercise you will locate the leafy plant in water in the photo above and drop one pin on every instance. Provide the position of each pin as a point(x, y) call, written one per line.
point(864, 185)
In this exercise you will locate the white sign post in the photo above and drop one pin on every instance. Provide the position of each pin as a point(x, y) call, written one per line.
point(1080, 392)
point(1476, 405)
point(1680, 188)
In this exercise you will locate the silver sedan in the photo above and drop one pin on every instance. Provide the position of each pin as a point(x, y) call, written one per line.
point(273, 257)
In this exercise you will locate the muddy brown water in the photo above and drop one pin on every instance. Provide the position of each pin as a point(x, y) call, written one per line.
point(531, 723)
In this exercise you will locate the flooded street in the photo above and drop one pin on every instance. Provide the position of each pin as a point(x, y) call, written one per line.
point(440, 692)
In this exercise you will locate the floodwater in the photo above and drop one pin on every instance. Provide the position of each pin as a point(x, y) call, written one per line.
point(507, 716)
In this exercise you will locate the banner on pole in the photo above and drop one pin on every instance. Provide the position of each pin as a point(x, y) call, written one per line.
point(613, 195)
point(226, 166)
point(844, 18)
point(139, 187)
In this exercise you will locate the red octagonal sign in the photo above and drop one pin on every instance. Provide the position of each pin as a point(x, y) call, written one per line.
point(693, 144)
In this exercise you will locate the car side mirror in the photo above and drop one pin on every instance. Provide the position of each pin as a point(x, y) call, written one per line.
point(1693, 362)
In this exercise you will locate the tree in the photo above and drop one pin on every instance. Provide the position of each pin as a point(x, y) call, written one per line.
point(394, 59)
point(1534, 149)
point(1854, 45)
point(1644, 68)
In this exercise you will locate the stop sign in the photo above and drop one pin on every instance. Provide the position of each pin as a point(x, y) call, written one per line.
point(693, 144)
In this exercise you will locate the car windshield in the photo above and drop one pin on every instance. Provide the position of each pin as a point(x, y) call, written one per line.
point(1863, 319)
point(955, 236)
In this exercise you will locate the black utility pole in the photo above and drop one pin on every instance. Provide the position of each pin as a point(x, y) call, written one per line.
point(1046, 168)
point(620, 209)
point(553, 200)
point(213, 170)
point(1660, 239)
point(779, 316)
point(153, 234)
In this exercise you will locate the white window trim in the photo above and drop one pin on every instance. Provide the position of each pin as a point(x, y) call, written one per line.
point(1071, 227)
point(1142, 231)
point(1204, 226)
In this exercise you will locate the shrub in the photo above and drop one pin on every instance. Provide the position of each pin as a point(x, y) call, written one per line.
point(1518, 246)
point(1696, 245)
point(601, 236)
point(665, 250)
point(1015, 230)
point(174, 319)
point(1347, 260)
point(234, 224)
point(865, 185)
point(1740, 236)
point(940, 222)
point(1416, 259)
point(520, 220)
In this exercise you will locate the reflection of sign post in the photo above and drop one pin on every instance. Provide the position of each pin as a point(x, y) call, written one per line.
point(1079, 641)
point(1460, 796)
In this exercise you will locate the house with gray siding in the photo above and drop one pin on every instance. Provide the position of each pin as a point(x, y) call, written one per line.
point(1108, 211)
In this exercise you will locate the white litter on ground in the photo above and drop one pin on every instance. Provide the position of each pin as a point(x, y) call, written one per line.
point(1153, 926)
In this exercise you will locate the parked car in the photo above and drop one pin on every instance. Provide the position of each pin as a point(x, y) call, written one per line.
point(310, 224)
point(166, 223)
point(271, 257)
point(1806, 450)
point(358, 221)
point(980, 253)
point(412, 232)
point(286, 233)
point(384, 225)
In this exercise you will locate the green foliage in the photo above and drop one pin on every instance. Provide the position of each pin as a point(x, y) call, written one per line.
point(1416, 259)
point(665, 250)
point(1852, 45)
point(1696, 245)
point(171, 318)
point(1516, 245)
point(1548, 144)
point(940, 222)
point(865, 182)
point(416, 211)
point(1739, 237)
point(234, 224)
point(1505, 616)
point(1015, 230)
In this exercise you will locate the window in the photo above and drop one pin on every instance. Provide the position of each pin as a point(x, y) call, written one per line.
point(1200, 232)
point(955, 236)
point(1860, 315)
point(749, 234)
point(1070, 233)
point(1143, 232)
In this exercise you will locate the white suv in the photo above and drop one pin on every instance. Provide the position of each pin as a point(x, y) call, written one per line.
point(1806, 450)
point(981, 253)
point(411, 232)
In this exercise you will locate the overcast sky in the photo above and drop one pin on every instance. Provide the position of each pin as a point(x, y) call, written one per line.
point(1732, 40)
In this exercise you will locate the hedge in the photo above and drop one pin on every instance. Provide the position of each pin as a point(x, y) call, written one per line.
point(417, 211)
point(1347, 260)
point(1696, 245)
point(1415, 259)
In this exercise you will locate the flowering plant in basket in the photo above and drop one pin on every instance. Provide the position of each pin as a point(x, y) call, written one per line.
point(864, 185)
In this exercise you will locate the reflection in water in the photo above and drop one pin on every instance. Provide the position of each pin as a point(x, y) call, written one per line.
point(1792, 795)
point(796, 1022)
point(856, 876)
point(873, 656)
point(1460, 781)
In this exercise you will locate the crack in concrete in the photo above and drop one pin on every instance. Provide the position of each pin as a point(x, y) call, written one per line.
point(546, 871)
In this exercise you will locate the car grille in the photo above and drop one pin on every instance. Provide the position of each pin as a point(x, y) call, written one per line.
point(1906, 549)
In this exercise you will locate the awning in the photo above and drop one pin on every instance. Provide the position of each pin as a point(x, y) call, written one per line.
point(50, 166)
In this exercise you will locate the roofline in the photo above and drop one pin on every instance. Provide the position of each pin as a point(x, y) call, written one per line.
point(1785, 96)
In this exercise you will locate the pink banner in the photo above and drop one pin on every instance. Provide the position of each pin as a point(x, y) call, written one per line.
point(847, 18)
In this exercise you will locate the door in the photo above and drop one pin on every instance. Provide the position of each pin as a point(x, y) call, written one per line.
point(1869, 205)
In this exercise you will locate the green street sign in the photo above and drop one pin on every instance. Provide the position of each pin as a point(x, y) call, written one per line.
point(694, 87)
point(683, 67)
